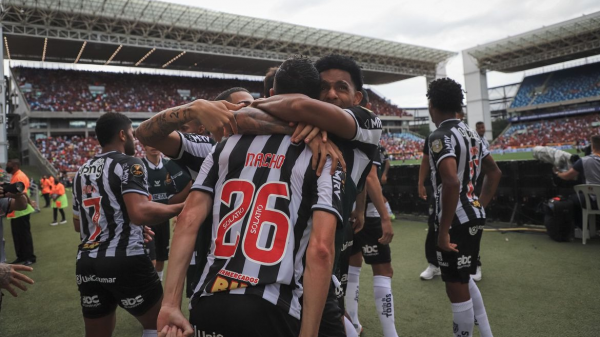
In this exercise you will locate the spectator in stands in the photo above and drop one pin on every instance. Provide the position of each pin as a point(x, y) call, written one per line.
point(59, 202)
point(268, 81)
point(588, 166)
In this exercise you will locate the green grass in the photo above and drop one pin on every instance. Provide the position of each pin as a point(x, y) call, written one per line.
point(497, 157)
point(531, 285)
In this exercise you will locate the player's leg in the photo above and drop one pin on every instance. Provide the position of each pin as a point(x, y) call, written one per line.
point(380, 258)
point(62, 214)
point(162, 238)
point(332, 323)
point(352, 289)
point(462, 308)
point(432, 269)
point(54, 216)
point(100, 327)
point(148, 319)
point(350, 330)
point(478, 306)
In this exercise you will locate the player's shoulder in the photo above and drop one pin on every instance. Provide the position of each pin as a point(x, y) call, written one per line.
point(133, 165)
point(366, 118)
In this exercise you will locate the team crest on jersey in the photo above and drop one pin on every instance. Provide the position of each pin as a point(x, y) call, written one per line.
point(436, 146)
point(93, 170)
point(137, 170)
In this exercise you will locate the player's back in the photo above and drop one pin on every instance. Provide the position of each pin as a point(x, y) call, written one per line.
point(98, 189)
point(264, 194)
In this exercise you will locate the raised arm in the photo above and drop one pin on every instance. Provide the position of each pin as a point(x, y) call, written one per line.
point(159, 131)
point(253, 121)
point(302, 109)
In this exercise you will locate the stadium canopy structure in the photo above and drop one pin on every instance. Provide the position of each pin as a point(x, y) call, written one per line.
point(561, 42)
point(155, 34)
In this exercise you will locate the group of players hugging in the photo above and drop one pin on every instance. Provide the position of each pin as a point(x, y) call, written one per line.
point(274, 212)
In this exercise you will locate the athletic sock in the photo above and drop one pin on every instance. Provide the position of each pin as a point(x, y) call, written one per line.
point(384, 303)
point(349, 327)
point(479, 309)
point(160, 275)
point(352, 290)
point(387, 206)
point(149, 333)
point(464, 318)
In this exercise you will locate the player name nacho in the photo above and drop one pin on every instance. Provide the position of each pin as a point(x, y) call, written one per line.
point(239, 277)
point(270, 160)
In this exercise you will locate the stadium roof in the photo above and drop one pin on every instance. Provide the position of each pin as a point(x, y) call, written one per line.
point(158, 34)
point(560, 42)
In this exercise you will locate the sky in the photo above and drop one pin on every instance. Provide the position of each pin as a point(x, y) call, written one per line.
point(450, 25)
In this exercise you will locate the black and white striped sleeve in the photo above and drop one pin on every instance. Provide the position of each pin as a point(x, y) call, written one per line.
point(75, 198)
point(192, 151)
point(134, 177)
point(442, 145)
point(329, 191)
point(208, 175)
point(368, 125)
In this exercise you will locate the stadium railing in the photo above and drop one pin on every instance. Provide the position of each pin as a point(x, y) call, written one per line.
point(46, 165)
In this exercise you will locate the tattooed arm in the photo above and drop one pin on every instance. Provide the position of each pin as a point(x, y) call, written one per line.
point(159, 131)
point(252, 121)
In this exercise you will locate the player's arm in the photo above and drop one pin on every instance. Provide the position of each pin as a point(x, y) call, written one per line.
point(182, 246)
point(317, 275)
point(252, 121)
point(180, 196)
point(423, 171)
point(571, 174)
point(302, 109)
point(376, 194)
point(386, 169)
point(450, 195)
point(491, 179)
point(159, 131)
point(358, 214)
point(142, 211)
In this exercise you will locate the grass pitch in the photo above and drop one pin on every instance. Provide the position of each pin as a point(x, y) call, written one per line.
point(531, 286)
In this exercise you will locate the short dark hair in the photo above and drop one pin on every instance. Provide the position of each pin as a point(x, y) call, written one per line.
point(109, 125)
point(15, 162)
point(479, 123)
point(574, 158)
point(595, 140)
point(268, 81)
point(365, 100)
point(226, 95)
point(298, 75)
point(345, 63)
point(446, 95)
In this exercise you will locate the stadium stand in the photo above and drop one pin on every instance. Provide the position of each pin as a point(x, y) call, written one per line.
point(67, 154)
point(70, 91)
point(560, 131)
point(558, 86)
point(402, 146)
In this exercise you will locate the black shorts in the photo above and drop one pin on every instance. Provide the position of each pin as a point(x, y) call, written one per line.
point(332, 324)
point(232, 315)
point(130, 282)
point(458, 267)
point(367, 242)
point(158, 248)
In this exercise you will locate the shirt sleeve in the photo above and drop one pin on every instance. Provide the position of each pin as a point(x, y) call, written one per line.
point(209, 173)
point(134, 177)
point(193, 149)
point(329, 191)
point(368, 125)
point(578, 166)
point(441, 146)
point(75, 199)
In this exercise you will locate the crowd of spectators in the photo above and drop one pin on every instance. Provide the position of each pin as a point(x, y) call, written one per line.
point(570, 130)
point(86, 91)
point(384, 108)
point(402, 146)
point(70, 91)
point(559, 86)
point(67, 154)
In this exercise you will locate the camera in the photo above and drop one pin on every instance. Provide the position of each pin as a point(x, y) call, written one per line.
point(15, 188)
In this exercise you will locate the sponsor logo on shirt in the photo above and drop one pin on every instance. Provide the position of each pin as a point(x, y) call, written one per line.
point(474, 229)
point(93, 170)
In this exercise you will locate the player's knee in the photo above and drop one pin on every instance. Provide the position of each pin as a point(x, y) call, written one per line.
point(383, 269)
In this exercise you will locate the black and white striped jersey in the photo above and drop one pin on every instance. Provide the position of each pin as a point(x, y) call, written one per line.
point(265, 192)
point(454, 138)
point(371, 210)
point(193, 149)
point(98, 190)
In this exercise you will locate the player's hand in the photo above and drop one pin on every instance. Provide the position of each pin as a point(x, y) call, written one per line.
point(321, 150)
point(171, 322)
point(358, 219)
point(388, 231)
point(10, 276)
point(304, 132)
point(148, 234)
point(422, 192)
point(384, 179)
point(445, 244)
point(216, 116)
